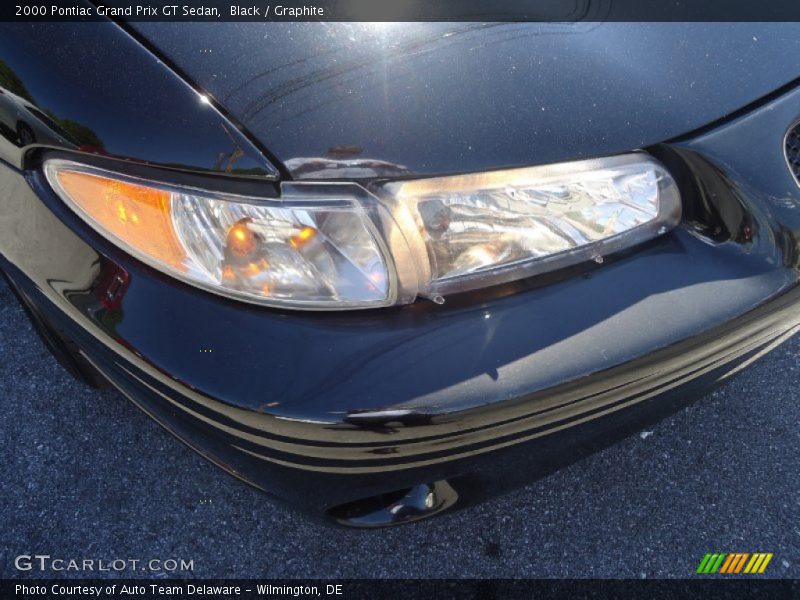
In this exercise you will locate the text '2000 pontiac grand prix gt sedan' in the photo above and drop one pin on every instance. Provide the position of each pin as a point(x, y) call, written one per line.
point(382, 270)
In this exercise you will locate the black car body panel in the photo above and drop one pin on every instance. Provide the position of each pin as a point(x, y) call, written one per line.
point(344, 413)
point(119, 100)
point(335, 99)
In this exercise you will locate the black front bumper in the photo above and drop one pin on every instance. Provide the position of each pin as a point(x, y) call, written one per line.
point(341, 413)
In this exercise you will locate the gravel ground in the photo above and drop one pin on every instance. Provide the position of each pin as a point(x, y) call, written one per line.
point(85, 474)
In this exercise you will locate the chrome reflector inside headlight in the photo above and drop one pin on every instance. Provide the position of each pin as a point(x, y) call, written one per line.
point(339, 246)
point(299, 251)
point(493, 227)
point(315, 254)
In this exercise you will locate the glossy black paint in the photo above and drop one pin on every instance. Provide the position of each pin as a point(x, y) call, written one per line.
point(115, 98)
point(429, 98)
point(459, 401)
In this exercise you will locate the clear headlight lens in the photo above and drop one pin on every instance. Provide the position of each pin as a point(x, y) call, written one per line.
point(295, 252)
point(337, 246)
point(500, 226)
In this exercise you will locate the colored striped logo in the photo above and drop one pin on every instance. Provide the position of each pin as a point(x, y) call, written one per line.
point(734, 562)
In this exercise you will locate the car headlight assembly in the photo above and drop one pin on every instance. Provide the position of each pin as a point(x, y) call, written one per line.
point(341, 246)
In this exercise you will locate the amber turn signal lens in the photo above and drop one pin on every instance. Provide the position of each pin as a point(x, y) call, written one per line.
point(137, 215)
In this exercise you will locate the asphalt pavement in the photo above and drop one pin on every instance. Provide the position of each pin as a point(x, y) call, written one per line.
point(85, 475)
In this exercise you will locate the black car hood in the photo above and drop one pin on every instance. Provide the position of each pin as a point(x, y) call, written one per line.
point(361, 99)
